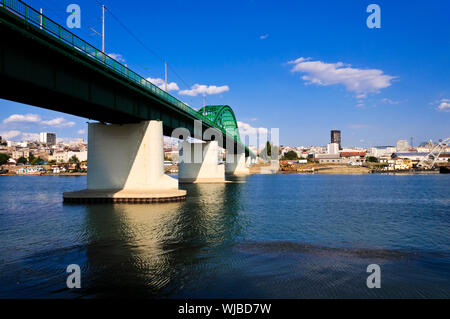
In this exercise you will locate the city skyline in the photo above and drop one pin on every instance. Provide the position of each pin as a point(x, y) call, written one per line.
point(37, 138)
point(375, 85)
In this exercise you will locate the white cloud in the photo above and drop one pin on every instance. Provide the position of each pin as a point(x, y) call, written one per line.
point(247, 129)
point(20, 136)
point(59, 122)
point(23, 118)
point(6, 135)
point(197, 89)
point(172, 86)
point(116, 56)
point(81, 132)
point(30, 136)
point(250, 135)
point(389, 101)
point(359, 81)
point(264, 36)
point(444, 105)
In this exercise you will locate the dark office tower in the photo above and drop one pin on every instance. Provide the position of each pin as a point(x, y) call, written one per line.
point(336, 137)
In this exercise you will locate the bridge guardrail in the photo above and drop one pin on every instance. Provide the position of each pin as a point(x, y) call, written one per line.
point(40, 21)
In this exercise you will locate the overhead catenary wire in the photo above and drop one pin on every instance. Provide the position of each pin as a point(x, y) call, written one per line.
point(162, 60)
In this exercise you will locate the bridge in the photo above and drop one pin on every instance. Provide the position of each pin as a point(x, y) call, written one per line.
point(45, 65)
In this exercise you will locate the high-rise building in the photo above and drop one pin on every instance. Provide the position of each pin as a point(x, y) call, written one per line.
point(336, 137)
point(402, 146)
point(47, 138)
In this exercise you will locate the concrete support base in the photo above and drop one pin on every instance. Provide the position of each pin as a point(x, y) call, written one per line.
point(199, 163)
point(88, 196)
point(236, 165)
point(126, 164)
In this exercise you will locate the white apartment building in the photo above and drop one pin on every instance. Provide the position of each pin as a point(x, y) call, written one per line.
point(64, 156)
point(333, 148)
point(17, 144)
point(380, 151)
point(47, 138)
point(21, 152)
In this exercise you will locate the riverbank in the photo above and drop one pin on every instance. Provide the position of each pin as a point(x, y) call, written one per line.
point(46, 174)
point(42, 170)
point(311, 168)
point(268, 169)
point(346, 170)
point(314, 168)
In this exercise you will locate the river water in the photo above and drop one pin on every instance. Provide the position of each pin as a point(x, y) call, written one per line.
point(270, 236)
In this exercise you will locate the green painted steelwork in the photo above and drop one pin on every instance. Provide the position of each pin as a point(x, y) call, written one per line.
point(222, 116)
point(224, 119)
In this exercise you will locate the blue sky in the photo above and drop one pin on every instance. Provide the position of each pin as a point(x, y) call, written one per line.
point(305, 67)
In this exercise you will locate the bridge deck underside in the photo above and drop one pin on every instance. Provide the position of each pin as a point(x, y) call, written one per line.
point(44, 72)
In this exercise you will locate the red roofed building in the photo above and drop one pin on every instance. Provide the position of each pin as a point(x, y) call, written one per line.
point(353, 156)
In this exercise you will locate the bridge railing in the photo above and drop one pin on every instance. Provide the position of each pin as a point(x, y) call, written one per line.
point(40, 21)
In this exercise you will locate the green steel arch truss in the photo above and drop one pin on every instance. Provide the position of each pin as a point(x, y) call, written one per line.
point(222, 117)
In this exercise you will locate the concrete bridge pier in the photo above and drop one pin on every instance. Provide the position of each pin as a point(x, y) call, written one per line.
point(236, 164)
point(126, 164)
point(199, 163)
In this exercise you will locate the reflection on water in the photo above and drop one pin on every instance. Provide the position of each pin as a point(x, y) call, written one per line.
point(125, 247)
point(270, 236)
point(143, 248)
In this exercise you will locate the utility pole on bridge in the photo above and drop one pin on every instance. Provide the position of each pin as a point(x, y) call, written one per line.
point(40, 23)
point(103, 28)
